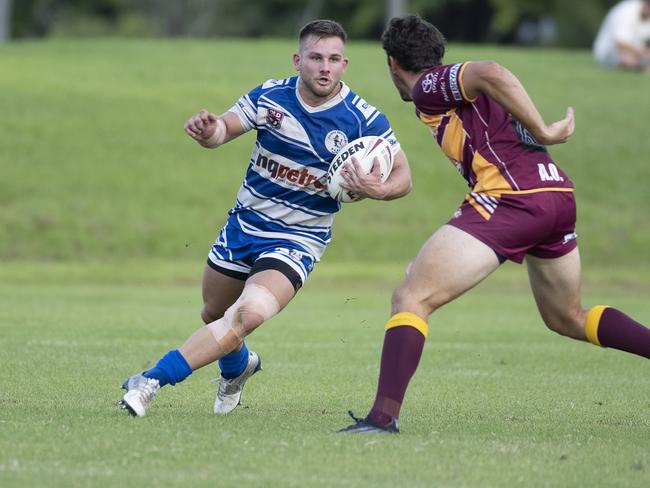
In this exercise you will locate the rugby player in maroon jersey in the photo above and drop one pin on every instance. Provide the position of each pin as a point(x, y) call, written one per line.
point(520, 206)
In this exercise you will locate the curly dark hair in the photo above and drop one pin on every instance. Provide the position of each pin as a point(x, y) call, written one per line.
point(323, 28)
point(413, 42)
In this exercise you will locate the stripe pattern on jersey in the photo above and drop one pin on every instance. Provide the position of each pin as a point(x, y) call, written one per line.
point(284, 193)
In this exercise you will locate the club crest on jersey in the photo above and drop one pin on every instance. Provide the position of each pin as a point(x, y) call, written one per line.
point(335, 140)
point(427, 83)
point(274, 118)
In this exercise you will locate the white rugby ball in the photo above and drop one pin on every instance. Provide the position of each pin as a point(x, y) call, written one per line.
point(364, 150)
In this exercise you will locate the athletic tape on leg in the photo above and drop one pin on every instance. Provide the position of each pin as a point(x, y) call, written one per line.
point(230, 330)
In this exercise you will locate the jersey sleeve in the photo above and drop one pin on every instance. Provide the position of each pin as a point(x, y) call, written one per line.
point(440, 89)
point(376, 124)
point(246, 108)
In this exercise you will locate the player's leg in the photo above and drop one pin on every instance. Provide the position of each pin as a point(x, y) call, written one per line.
point(219, 292)
point(556, 287)
point(263, 295)
point(221, 288)
point(450, 263)
point(231, 387)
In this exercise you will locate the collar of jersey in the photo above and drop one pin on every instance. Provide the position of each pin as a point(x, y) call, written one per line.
point(343, 92)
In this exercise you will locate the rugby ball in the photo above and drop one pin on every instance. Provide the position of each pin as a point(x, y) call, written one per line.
point(364, 150)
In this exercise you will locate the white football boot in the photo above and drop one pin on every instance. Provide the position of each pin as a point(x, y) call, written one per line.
point(229, 391)
point(140, 392)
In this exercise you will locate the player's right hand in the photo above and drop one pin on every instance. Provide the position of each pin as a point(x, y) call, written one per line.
point(558, 132)
point(201, 126)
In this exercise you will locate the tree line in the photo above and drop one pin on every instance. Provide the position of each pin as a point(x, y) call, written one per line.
point(549, 22)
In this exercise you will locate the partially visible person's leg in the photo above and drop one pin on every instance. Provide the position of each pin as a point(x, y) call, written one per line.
point(556, 287)
point(450, 263)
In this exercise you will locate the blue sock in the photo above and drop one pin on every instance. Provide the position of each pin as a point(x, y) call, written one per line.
point(171, 368)
point(234, 364)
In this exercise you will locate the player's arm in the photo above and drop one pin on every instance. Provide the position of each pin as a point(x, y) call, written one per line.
point(503, 87)
point(210, 130)
point(369, 185)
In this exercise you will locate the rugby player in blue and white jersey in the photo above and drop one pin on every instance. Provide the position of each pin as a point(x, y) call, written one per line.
point(281, 222)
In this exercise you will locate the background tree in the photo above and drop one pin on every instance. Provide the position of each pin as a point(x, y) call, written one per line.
point(5, 16)
point(557, 22)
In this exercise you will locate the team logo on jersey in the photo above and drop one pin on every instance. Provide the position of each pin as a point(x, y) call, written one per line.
point(453, 82)
point(289, 176)
point(274, 118)
point(335, 140)
point(427, 83)
point(293, 253)
point(569, 237)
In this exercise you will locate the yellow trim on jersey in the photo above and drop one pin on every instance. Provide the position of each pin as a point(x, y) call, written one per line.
point(479, 208)
point(432, 121)
point(488, 177)
point(453, 140)
point(462, 86)
point(497, 194)
point(410, 319)
point(591, 326)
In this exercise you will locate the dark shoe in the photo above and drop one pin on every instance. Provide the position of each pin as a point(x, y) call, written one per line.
point(365, 426)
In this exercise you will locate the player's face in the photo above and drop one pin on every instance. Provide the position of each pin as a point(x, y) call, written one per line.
point(321, 64)
point(398, 80)
point(403, 90)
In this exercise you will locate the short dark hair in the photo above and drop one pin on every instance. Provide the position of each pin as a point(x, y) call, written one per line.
point(413, 42)
point(323, 28)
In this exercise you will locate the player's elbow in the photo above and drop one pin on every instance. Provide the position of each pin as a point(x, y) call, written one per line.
point(402, 175)
point(409, 187)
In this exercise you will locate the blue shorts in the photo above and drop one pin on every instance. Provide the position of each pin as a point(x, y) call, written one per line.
point(236, 253)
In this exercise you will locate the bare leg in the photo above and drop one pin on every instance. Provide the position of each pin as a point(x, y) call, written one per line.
point(219, 293)
point(556, 287)
point(450, 263)
point(202, 348)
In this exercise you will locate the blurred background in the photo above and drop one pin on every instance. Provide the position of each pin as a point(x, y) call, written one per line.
point(95, 166)
point(528, 22)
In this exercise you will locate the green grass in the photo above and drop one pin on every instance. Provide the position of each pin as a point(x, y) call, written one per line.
point(95, 163)
point(498, 401)
point(106, 213)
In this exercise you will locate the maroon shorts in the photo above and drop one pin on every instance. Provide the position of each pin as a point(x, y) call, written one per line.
point(540, 224)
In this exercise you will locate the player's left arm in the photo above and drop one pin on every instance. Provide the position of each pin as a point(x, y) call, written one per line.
point(369, 185)
point(503, 87)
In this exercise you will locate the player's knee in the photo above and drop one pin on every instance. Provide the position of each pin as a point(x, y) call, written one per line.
point(404, 298)
point(255, 305)
point(569, 324)
point(244, 319)
point(208, 315)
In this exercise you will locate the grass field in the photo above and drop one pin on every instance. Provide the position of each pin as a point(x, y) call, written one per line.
point(498, 400)
point(95, 163)
point(107, 211)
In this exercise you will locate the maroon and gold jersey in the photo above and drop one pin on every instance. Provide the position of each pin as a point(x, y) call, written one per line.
point(495, 154)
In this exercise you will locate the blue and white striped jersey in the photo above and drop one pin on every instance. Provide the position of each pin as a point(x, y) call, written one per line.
point(284, 194)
